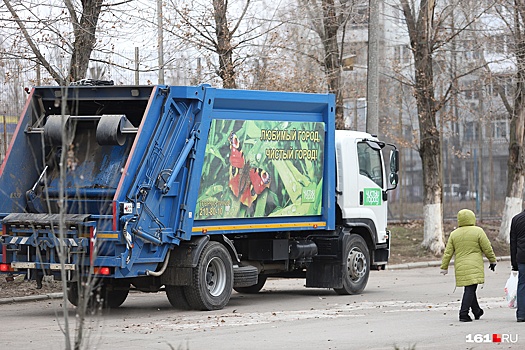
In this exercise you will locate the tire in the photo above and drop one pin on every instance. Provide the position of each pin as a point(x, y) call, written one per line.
point(115, 298)
point(245, 276)
point(252, 289)
point(212, 280)
point(177, 298)
point(76, 294)
point(356, 266)
point(72, 293)
point(114, 294)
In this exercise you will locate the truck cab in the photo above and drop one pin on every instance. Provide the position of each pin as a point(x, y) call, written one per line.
point(362, 195)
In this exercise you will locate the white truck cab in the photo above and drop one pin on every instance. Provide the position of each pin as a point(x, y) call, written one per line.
point(362, 185)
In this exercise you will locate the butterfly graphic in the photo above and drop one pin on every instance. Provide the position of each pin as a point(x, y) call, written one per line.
point(245, 182)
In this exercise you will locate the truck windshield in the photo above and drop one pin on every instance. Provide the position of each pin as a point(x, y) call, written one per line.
point(370, 163)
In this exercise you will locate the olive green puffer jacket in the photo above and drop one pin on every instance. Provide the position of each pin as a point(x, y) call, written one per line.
point(468, 242)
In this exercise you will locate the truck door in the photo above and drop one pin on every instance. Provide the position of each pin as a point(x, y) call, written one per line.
point(371, 182)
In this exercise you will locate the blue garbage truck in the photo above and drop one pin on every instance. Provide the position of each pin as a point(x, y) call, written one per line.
point(191, 190)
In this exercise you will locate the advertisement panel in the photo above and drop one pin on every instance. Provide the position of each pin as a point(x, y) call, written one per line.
point(257, 168)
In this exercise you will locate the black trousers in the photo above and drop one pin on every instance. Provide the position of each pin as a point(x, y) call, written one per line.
point(470, 301)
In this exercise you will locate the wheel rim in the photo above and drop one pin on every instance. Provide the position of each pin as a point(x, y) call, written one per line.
point(356, 264)
point(216, 276)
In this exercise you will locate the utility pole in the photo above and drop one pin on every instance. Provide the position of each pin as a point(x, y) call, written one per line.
point(137, 66)
point(161, 42)
point(38, 75)
point(372, 86)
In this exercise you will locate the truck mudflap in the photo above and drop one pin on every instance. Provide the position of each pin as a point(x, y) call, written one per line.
point(32, 241)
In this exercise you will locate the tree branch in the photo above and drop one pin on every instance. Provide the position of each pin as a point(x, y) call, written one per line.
point(56, 76)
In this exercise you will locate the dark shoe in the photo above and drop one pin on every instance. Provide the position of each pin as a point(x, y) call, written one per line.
point(465, 319)
point(521, 319)
point(478, 315)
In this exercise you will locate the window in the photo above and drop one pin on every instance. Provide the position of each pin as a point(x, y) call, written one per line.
point(402, 54)
point(471, 50)
point(472, 92)
point(470, 132)
point(369, 154)
point(359, 17)
point(497, 43)
point(503, 83)
point(499, 129)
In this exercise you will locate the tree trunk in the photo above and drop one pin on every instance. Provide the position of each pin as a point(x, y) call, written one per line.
point(430, 153)
point(429, 140)
point(85, 38)
point(331, 58)
point(223, 45)
point(516, 163)
point(515, 178)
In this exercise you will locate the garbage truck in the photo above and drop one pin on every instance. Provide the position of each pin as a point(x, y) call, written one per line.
point(192, 190)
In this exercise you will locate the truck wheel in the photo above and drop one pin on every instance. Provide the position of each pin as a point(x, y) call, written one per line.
point(114, 294)
point(76, 294)
point(72, 293)
point(176, 297)
point(356, 266)
point(212, 283)
point(252, 289)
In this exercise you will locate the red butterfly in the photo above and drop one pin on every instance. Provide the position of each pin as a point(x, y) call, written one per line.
point(245, 181)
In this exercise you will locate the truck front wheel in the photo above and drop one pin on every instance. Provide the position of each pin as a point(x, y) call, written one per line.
point(356, 266)
point(212, 283)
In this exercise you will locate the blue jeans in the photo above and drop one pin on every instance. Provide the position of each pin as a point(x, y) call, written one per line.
point(520, 296)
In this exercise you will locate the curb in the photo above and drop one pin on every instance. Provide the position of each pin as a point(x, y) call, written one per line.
point(418, 265)
point(408, 266)
point(31, 298)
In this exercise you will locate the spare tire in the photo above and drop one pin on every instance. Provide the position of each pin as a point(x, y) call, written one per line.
point(254, 289)
point(245, 276)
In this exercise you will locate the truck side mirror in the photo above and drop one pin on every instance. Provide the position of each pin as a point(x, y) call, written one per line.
point(394, 178)
point(394, 162)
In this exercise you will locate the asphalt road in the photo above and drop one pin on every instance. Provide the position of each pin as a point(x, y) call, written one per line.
point(407, 309)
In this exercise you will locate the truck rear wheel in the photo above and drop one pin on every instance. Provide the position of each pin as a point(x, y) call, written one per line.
point(212, 283)
point(110, 294)
point(114, 294)
point(356, 266)
point(176, 297)
point(72, 293)
point(76, 292)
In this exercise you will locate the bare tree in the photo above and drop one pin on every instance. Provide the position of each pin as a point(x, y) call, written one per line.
point(223, 43)
point(429, 34)
point(328, 20)
point(84, 26)
point(223, 30)
point(420, 23)
point(516, 163)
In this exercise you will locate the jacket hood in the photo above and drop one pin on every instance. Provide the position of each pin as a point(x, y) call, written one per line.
point(466, 217)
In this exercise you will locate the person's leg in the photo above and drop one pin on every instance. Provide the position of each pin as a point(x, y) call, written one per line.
point(520, 297)
point(466, 302)
point(476, 310)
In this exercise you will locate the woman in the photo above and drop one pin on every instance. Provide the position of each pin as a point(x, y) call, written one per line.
point(468, 242)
